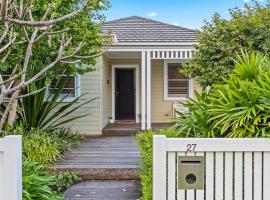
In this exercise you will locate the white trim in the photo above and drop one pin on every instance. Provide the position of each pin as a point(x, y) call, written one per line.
point(148, 90)
point(136, 67)
point(139, 49)
point(78, 86)
point(154, 43)
point(143, 105)
point(165, 86)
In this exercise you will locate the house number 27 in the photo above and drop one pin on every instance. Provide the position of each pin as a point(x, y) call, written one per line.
point(191, 147)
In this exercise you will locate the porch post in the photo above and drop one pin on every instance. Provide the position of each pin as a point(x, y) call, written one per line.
point(143, 105)
point(148, 90)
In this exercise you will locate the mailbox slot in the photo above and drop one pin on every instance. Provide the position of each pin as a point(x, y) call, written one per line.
point(190, 162)
point(191, 172)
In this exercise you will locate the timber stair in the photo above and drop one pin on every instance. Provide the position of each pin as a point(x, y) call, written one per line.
point(123, 128)
point(103, 158)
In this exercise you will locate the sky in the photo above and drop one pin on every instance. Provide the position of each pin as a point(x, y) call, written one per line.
point(186, 13)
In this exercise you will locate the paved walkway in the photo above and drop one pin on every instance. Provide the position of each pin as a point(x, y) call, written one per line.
point(112, 161)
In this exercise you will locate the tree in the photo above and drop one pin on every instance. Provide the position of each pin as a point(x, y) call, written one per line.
point(40, 37)
point(220, 40)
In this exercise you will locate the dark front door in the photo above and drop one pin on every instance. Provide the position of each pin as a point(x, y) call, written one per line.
point(124, 94)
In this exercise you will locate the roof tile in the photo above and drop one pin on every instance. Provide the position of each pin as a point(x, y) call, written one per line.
point(139, 29)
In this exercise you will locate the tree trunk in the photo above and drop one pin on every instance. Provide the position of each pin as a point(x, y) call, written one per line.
point(12, 113)
point(13, 109)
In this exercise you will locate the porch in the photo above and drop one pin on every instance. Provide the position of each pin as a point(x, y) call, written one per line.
point(148, 86)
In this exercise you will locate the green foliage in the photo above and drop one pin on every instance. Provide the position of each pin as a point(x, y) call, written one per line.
point(42, 146)
point(238, 107)
point(64, 180)
point(46, 147)
point(83, 28)
point(145, 145)
point(51, 111)
point(221, 39)
point(194, 122)
point(38, 147)
point(36, 184)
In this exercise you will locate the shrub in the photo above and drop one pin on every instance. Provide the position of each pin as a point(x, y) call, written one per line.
point(237, 107)
point(44, 147)
point(145, 146)
point(194, 122)
point(36, 184)
point(41, 148)
point(220, 39)
point(241, 106)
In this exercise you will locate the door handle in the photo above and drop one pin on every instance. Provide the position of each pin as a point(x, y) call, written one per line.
point(117, 93)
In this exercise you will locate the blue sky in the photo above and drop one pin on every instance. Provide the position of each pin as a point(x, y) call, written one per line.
point(187, 13)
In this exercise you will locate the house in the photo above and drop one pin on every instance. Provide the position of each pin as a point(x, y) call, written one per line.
point(137, 79)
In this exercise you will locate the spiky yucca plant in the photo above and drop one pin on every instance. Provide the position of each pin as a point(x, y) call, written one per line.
point(49, 111)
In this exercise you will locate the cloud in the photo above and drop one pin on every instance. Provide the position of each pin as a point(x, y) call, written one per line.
point(175, 23)
point(152, 14)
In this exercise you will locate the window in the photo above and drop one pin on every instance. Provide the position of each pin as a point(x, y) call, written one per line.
point(71, 89)
point(176, 85)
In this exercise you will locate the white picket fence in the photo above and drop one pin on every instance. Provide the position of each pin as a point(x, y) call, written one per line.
point(234, 169)
point(11, 168)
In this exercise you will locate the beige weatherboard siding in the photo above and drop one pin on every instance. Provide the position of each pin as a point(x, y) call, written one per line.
point(91, 87)
point(162, 110)
point(97, 84)
point(135, 38)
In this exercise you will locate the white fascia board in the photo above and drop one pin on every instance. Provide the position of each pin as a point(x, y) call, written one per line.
point(149, 48)
point(154, 43)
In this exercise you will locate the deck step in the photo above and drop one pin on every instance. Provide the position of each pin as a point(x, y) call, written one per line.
point(119, 129)
point(119, 132)
point(101, 190)
point(103, 158)
point(90, 173)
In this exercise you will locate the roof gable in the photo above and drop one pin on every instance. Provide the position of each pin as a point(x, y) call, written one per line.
point(139, 29)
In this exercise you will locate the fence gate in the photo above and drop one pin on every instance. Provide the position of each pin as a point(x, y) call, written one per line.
point(11, 168)
point(211, 169)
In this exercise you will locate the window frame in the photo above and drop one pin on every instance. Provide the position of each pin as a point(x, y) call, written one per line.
point(165, 79)
point(77, 87)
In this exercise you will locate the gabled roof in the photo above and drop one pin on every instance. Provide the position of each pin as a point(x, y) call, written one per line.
point(139, 29)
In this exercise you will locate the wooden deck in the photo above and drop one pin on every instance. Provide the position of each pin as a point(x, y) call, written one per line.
point(103, 158)
point(125, 129)
point(104, 190)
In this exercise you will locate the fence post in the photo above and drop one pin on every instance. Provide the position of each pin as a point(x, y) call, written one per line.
point(13, 168)
point(159, 167)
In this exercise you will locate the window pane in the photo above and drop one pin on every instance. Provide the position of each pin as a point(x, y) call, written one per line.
point(177, 83)
point(69, 88)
